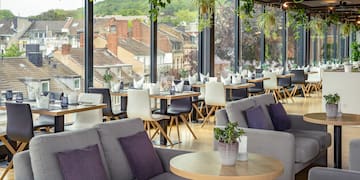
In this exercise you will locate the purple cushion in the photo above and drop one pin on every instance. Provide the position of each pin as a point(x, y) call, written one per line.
point(141, 156)
point(82, 164)
point(256, 118)
point(279, 117)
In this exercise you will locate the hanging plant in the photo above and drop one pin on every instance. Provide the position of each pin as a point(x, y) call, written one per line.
point(298, 1)
point(157, 5)
point(267, 23)
point(246, 12)
point(332, 19)
point(297, 18)
point(317, 25)
point(346, 29)
point(206, 12)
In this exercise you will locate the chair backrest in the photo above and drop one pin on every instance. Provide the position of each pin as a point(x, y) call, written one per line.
point(88, 119)
point(106, 99)
point(215, 94)
point(314, 77)
point(299, 77)
point(272, 82)
point(182, 105)
point(19, 122)
point(138, 104)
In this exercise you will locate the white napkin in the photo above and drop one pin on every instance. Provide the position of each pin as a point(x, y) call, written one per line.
point(226, 80)
point(179, 86)
point(192, 79)
point(138, 84)
point(42, 102)
point(203, 77)
point(236, 79)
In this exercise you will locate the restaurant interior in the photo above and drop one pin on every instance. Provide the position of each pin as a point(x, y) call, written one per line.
point(180, 89)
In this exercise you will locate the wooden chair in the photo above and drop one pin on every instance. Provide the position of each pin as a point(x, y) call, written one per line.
point(214, 97)
point(108, 112)
point(19, 129)
point(298, 81)
point(139, 106)
point(87, 119)
point(271, 86)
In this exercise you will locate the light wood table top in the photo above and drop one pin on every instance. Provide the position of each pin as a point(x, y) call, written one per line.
point(258, 79)
point(207, 165)
point(58, 111)
point(163, 95)
point(285, 75)
point(230, 86)
point(321, 118)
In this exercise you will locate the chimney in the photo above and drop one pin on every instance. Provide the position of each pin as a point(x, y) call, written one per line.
point(36, 58)
point(136, 29)
point(65, 49)
point(82, 39)
point(112, 43)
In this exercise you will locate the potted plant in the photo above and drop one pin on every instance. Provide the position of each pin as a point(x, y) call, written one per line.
point(206, 12)
point(332, 101)
point(107, 78)
point(266, 22)
point(317, 25)
point(228, 144)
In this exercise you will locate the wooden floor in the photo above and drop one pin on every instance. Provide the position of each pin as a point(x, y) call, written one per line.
point(301, 106)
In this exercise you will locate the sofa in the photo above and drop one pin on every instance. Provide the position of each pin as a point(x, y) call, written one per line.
point(40, 163)
point(301, 145)
point(353, 173)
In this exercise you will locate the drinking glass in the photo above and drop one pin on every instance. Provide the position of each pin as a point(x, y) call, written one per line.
point(19, 97)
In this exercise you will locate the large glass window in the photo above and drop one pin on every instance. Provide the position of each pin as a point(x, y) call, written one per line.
point(39, 44)
point(121, 43)
point(224, 37)
point(177, 41)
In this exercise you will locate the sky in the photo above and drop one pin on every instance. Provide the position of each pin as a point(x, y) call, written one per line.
point(26, 8)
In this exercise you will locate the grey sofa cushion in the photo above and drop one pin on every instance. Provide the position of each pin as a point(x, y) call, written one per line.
point(305, 149)
point(115, 158)
point(167, 176)
point(264, 100)
point(323, 138)
point(235, 110)
point(43, 149)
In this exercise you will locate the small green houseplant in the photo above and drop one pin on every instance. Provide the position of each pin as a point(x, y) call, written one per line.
point(228, 144)
point(107, 78)
point(332, 101)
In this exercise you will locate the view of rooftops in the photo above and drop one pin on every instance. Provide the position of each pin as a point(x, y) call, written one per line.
point(49, 40)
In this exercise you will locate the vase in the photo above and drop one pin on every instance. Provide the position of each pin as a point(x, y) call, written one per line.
point(242, 155)
point(331, 110)
point(347, 67)
point(228, 153)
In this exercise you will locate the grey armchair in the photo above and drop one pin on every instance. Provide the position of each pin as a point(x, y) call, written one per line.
point(353, 173)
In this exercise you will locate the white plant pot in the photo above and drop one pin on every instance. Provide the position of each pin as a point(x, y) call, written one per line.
point(228, 153)
point(243, 155)
point(347, 67)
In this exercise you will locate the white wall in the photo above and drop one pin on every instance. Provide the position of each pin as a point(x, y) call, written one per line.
point(347, 85)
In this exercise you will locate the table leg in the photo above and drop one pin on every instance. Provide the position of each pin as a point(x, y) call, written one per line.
point(164, 122)
point(194, 117)
point(123, 103)
point(337, 147)
point(59, 123)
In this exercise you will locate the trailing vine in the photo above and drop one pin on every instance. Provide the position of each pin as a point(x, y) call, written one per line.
point(267, 23)
point(157, 5)
point(206, 11)
point(317, 25)
point(246, 12)
point(297, 18)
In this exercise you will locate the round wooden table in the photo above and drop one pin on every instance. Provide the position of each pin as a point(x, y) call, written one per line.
point(207, 165)
point(345, 119)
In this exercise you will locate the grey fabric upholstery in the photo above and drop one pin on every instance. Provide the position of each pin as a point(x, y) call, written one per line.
point(305, 149)
point(235, 110)
point(40, 163)
point(303, 144)
point(320, 173)
point(323, 138)
point(22, 164)
point(354, 158)
point(264, 100)
point(43, 148)
point(115, 157)
point(166, 176)
point(165, 156)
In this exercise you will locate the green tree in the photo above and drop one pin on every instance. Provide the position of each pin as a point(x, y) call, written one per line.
point(6, 14)
point(185, 15)
point(57, 14)
point(13, 51)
